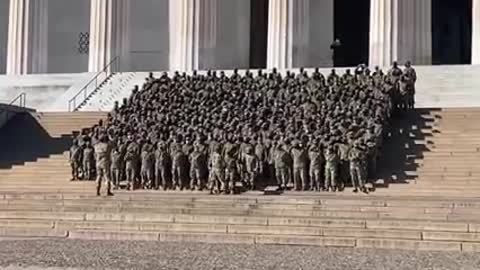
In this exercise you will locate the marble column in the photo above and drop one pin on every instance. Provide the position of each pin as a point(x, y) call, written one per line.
point(400, 30)
point(288, 33)
point(279, 47)
point(193, 34)
point(27, 46)
point(109, 34)
point(476, 32)
point(301, 32)
point(205, 34)
point(181, 34)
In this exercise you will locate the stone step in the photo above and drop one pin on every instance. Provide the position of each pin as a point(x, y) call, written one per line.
point(222, 215)
point(45, 218)
point(236, 209)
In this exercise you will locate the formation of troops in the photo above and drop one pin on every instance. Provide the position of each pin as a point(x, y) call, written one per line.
point(221, 133)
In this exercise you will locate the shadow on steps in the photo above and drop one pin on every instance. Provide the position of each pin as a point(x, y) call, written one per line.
point(23, 139)
point(400, 149)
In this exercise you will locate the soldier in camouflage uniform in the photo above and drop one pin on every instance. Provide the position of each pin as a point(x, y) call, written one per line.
point(252, 167)
point(116, 167)
point(162, 166)
point(75, 159)
point(316, 160)
point(217, 170)
point(357, 172)
point(131, 164)
point(179, 165)
point(343, 167)
point(88, 160)
point(198, 167)
point(331, 166)
point(282, 170)
point(147, 167)
point(232, 162)
point(300, 166)
point(102, 158)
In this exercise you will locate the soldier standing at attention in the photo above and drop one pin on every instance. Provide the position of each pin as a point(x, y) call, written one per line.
point(198, 167)
point(252, 166)
point(88, 160)
point(300, 160)
point(116, 167)
point(162, 166)
point(331, 166)
point(316, 159)
point(148, 162)
point(102, 157)
point(75, 159)
point(356, 156)
point(281, 161)
point(217, 170)
point(131, 163)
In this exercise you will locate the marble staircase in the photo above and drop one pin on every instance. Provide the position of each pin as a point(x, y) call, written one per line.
point(427, 198)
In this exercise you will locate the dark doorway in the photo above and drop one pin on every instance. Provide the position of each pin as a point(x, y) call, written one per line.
point(352, 27)
point(258, 33)
point(451, 31)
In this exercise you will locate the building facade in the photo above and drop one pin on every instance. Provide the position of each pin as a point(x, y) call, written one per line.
point(69, 36)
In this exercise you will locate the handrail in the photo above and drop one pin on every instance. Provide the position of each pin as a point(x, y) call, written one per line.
point(22, 97)
point(6, 113)
point(93, 84)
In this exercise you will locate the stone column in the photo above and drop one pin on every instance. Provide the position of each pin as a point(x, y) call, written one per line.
point(400, 30)
point(109, 33)
point(288, 33)
point(476, 32)
point(181, 29)
point(279, 47)
point(205, 41)
point(27, 47)
point(300, 14)
point(193, 25)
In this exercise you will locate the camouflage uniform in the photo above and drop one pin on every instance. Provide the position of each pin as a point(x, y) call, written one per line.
point(331, 165)
point(217, 171)
point(75, 160)
point(116, 167)
point(147, 167)
point(88, 161)
point(198, 168)
point(162, 166)
point(131, 165)
point(282, 170)
point(316, 162)
point(102, 156)
point(356, 156)
point(252, 167)
point(300, 167)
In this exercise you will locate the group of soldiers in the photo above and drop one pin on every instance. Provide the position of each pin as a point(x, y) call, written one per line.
point(221, 133)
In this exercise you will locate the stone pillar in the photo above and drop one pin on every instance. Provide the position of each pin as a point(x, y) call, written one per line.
point(193, 33)
point(279, 47)
point(27, 48)
point(476, 32)
point(181, 29)
point(400, 30)
point(288, 33)
point(109, 33)
point(300, 14)
point(205, 34)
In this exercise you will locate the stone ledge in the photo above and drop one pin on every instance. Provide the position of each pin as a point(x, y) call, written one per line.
point(32, 232)
point(417, 225)
point(305, 241)
point(451, 236)
point(102, 235)
point(408, 244)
